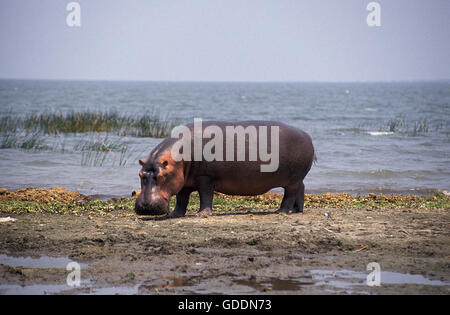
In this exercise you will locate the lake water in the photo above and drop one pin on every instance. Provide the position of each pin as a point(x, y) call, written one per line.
point(369, 137)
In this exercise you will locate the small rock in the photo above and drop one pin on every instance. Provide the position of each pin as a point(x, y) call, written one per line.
point(139, 221)
point(7, 219)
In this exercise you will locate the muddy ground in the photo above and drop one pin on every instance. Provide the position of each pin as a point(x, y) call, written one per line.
point(249, 251)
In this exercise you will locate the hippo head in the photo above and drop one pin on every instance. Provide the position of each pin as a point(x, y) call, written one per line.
point(161, 177)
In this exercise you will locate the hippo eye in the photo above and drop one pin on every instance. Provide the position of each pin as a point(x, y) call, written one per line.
point(165, 163)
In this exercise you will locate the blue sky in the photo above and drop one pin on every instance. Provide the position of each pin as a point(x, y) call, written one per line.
point(225, 40)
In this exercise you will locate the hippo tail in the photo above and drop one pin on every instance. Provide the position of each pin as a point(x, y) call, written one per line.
point(313, 162)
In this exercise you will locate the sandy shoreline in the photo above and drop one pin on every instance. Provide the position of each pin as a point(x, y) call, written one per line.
point(244, 248)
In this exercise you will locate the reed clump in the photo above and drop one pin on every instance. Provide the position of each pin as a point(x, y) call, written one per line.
point(414, 128)
point(95, 151)
point(22, 141)
point(53, 123)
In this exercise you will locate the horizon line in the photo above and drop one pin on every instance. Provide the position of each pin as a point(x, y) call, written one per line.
point(229, 81)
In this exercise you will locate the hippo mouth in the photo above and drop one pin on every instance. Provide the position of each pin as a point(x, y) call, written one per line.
point(156, 208)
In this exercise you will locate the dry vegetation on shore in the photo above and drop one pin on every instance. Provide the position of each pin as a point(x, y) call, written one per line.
point(60, 200)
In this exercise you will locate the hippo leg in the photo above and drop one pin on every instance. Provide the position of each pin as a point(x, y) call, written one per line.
point(182, 203)
point(298, 205)
point(206, 191)
point(289, 199)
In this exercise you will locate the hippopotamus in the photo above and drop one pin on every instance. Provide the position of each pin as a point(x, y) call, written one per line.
point(231, 167)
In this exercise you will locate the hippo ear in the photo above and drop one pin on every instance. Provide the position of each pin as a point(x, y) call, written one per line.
point(141, 162)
